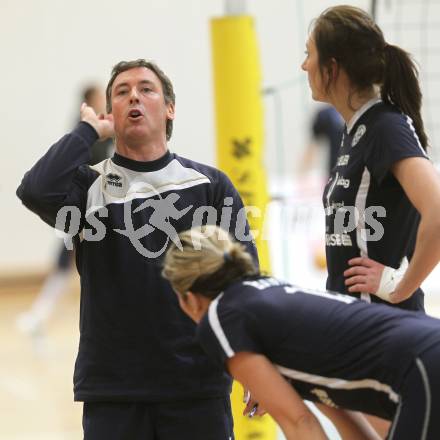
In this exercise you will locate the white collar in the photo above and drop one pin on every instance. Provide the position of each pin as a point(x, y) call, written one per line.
point(361, 111)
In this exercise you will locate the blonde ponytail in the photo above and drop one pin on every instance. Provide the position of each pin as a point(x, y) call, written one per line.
point(208, 262)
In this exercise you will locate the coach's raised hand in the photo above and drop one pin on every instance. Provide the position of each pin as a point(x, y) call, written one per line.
point(103, 124)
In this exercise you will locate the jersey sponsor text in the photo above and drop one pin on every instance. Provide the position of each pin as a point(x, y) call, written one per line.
point(338, 240)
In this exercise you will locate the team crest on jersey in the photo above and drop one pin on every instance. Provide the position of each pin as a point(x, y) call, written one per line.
point(359, 133)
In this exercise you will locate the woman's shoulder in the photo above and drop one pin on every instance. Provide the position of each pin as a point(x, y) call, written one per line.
point(388, 117)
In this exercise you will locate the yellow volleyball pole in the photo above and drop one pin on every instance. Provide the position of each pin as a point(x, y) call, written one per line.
point(239, 123)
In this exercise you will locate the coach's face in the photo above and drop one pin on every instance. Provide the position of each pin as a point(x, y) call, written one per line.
point(139, 110)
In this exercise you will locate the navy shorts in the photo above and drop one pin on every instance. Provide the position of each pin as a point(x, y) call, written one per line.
point(197, 419)
point(417, 416)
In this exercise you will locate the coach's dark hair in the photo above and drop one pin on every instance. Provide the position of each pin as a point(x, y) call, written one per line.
point(349, 36)
point(167, 86)
point(208, 262)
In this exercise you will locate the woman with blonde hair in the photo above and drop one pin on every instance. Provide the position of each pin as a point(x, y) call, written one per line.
point(286, 344)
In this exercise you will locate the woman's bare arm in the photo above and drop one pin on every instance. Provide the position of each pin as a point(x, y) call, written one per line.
point(271, 390)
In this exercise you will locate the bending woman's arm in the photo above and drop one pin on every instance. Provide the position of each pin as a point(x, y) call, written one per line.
point(282, 402)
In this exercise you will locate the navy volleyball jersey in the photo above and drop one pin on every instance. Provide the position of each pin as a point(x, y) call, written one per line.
point(367, 211)
point(135, 342)
point(332, 348)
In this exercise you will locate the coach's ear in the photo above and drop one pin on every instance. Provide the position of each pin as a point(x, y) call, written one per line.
point(171, 111)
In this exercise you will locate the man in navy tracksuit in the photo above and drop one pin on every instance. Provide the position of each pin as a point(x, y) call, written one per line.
point(139, 371)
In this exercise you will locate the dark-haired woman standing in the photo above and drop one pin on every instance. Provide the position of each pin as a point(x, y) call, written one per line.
point(382, 201)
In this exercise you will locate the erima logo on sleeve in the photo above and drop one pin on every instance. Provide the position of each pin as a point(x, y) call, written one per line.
point(114, 180)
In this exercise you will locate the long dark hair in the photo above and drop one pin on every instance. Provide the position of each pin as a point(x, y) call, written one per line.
point(351, 37)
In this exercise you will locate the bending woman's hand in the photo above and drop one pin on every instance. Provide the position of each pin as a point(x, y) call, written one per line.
point(252, 407)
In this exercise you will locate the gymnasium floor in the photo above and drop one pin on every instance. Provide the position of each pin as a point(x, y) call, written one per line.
point(36, 371)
